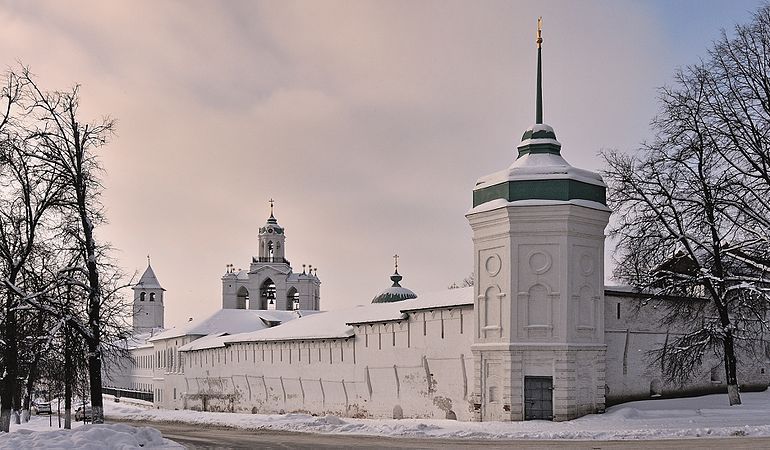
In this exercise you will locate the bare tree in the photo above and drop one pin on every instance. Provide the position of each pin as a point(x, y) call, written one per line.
point(29, 191)
point(693, 206)
point(68, 145)
point(465, 282)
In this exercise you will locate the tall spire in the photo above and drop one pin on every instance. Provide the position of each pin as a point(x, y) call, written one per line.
point(539, 101)
point(271, 207)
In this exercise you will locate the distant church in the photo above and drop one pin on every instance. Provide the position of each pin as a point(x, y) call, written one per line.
point(539, 335)
point(270, 282)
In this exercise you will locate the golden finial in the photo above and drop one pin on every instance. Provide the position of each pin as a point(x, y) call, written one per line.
point(395, 258)
point(539, 31)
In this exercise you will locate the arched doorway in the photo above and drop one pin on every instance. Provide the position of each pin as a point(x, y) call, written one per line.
point(267, 294)
point(242, 299)
point(292, 299)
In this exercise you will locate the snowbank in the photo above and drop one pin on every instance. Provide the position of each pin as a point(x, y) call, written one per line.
point(650, 419)
point(87, 437)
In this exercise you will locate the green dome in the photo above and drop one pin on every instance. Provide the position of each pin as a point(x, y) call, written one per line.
point(395, 293)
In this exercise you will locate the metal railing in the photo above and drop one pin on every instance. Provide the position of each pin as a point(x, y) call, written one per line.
point(269, 259)
point(130, 393)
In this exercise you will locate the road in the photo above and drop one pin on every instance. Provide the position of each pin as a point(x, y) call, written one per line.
point(197, 437)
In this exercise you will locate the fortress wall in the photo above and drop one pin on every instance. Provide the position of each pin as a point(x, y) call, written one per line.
point(401, 368)
point(632, 373)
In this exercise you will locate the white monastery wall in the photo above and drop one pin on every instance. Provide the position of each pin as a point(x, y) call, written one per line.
point(631, 373)
point(418, 366)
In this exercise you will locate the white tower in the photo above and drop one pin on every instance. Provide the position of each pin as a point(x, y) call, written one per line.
point(148, 302)
point(270, 282)
point(538, 235)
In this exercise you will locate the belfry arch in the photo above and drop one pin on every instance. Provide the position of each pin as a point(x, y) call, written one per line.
point(292, 299)
point(242, 298)
point(267, 294)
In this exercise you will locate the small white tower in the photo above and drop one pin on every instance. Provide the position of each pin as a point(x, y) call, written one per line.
point(148, 302)
point(538, 238)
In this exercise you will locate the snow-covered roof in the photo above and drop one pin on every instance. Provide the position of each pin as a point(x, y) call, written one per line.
point(139, 340)
point(540, 166)
point(443, 299)
point(210, 341)
point(229, 321)
point(394, 294)
point(148, 280)
point(339, 324)
point(501, 202)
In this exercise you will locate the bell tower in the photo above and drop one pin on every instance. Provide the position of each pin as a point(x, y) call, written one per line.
point(538, 238)
point(272, 240)
point(148, 302)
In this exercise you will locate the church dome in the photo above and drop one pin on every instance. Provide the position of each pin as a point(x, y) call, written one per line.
point(271, 226)
point(540, 173)
point(396, 292)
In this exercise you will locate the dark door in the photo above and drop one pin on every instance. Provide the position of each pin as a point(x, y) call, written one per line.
point(538, 398)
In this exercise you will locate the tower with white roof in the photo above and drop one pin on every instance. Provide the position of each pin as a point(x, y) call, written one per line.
point(538, 234)
point(148, 302)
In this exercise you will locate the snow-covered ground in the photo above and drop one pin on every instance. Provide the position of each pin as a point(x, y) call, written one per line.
point(650, 419)
point(42, 433)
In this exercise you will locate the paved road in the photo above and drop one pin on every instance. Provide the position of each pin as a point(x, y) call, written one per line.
point(197, 437)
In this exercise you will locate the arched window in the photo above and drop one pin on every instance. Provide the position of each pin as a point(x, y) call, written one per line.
point(267, 294)
point(270, 249)
point(292, 299)
point(242, 298)
point(141, 296)
point(152, 296)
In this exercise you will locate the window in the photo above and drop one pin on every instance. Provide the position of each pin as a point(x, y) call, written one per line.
point(618, 311)
point(152, 296)
point(142, 296)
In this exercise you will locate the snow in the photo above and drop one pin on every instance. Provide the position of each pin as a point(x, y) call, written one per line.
point(38, 434)
point(444, 299)
point(148, 280)
point(540, 166)
point(540, 127)
point(399, 292)
point(228, 321)
point(502, 203)
point(539, 141)
point(337, 324)
point(649, 419)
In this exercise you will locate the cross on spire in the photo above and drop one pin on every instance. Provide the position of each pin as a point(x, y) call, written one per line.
point(271, 206)
point(148, 259)
point(395, 258)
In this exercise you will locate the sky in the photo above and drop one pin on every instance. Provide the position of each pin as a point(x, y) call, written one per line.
point(368, 122)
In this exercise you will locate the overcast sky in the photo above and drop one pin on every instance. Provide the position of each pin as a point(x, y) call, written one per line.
point(367, 122)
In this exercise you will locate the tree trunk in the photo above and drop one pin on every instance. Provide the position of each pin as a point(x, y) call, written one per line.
point(8, 387)
point(94, 291)
point(68, 379)
point(731, 370)
point(30, 384)
point(17, 402)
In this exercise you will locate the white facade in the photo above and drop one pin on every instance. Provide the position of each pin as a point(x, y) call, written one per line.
point(148, 302)
point(270, 282)
point(538, 298)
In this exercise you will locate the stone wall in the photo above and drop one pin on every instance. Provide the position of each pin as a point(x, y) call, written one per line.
point(415, 367)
